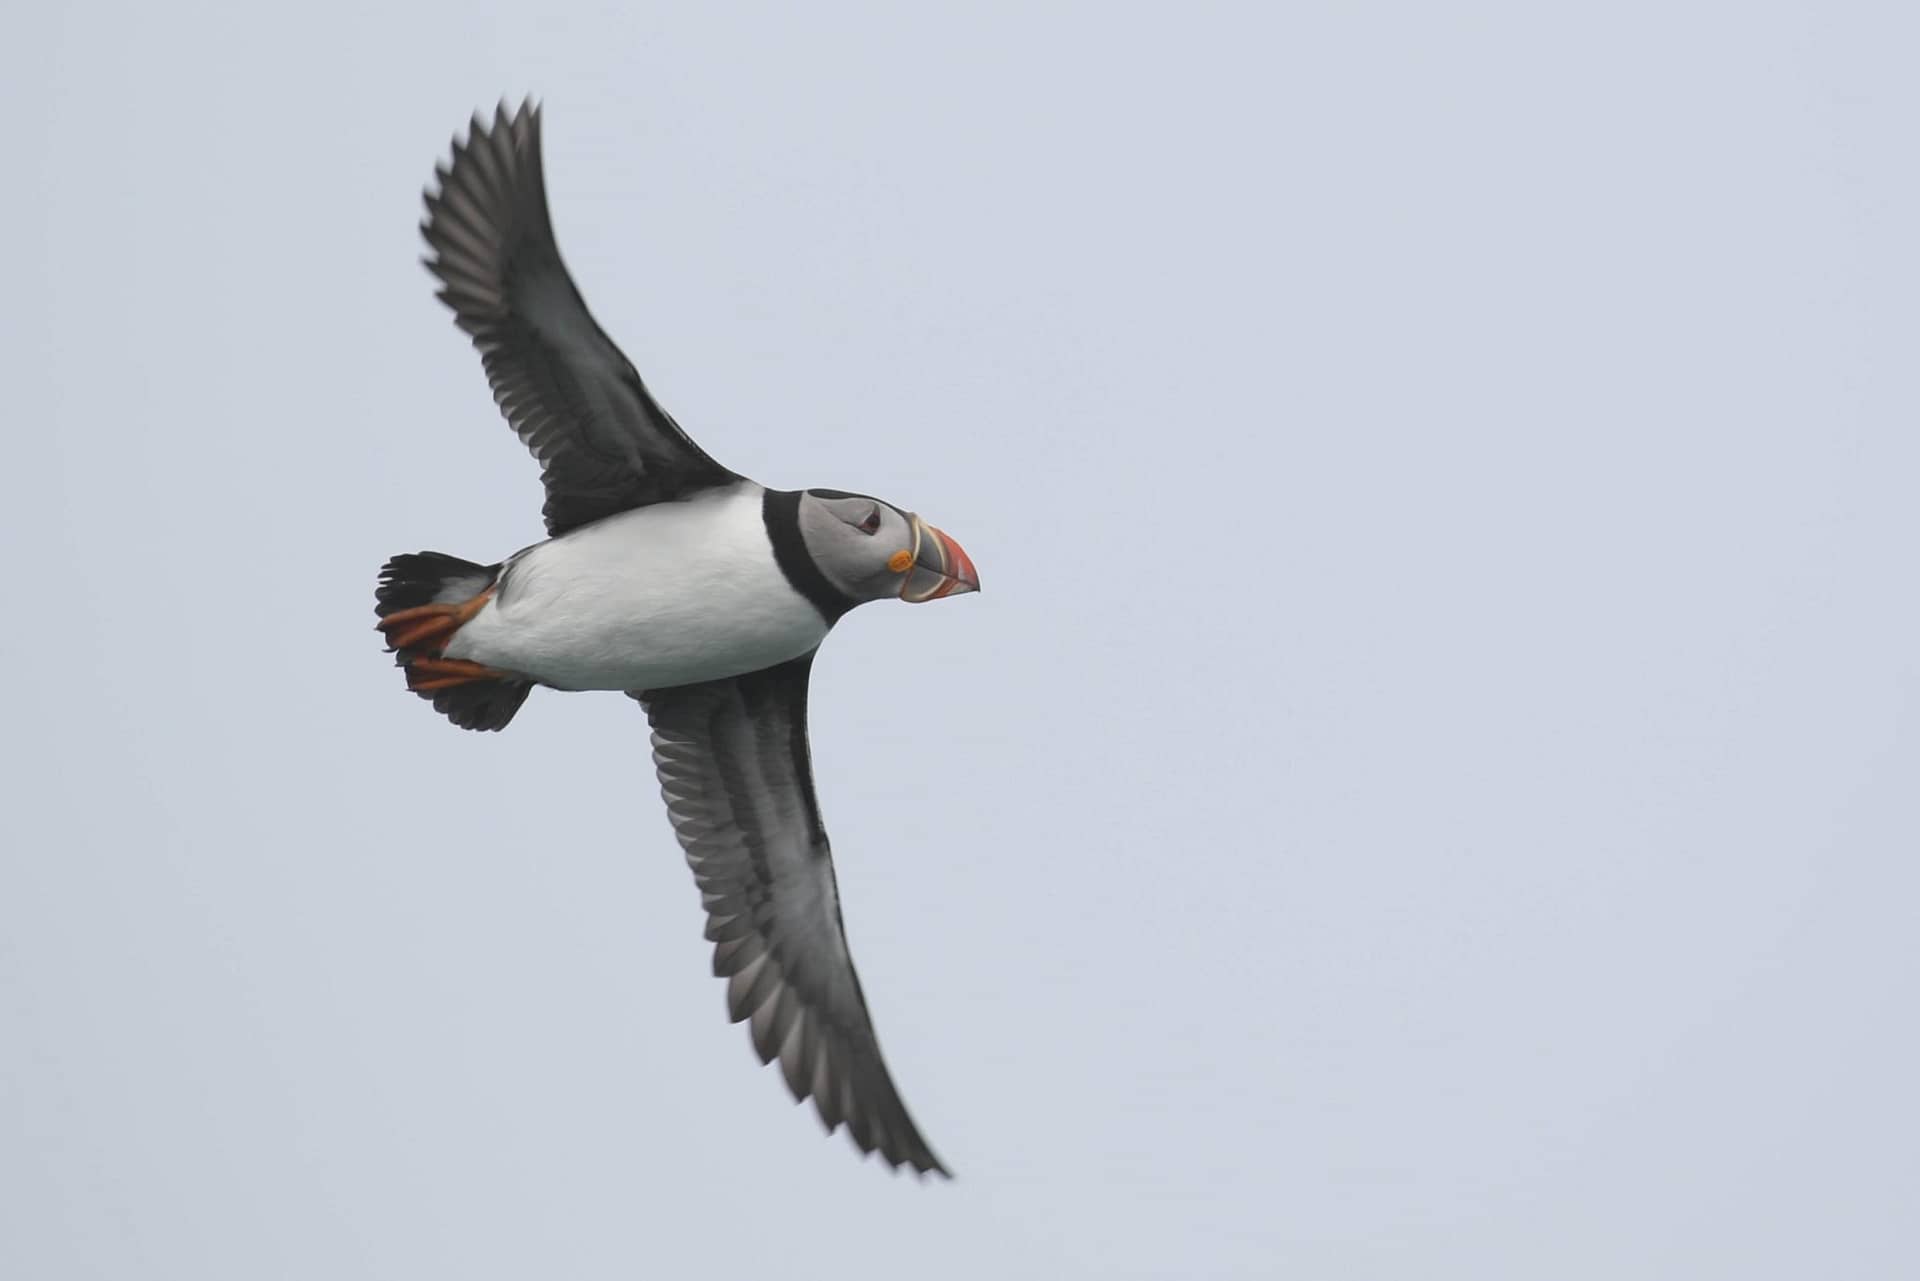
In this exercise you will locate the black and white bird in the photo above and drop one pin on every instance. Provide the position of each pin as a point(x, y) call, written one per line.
point(692, 589)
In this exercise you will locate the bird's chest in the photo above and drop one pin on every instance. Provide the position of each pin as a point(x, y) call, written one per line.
point(647, 600)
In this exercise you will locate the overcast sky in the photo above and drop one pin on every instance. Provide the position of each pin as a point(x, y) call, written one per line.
point(1428, 789)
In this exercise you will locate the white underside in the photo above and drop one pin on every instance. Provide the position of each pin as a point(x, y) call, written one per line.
point(660, 596)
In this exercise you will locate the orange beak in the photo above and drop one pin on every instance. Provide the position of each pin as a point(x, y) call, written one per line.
point(940, 567)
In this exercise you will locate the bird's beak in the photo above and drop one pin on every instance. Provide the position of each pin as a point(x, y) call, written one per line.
point(940, 568)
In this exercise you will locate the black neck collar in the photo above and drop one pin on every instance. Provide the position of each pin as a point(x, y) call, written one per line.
point(780, 509)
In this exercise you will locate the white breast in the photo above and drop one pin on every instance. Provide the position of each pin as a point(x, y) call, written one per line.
point(660, 596)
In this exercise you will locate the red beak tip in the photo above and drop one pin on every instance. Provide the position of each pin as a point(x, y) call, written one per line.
point(963, 569)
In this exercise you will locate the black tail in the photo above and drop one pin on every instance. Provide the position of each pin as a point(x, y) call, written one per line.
point(411, 589)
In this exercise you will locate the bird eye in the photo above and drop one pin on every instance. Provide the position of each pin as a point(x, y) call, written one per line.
point(871, 525)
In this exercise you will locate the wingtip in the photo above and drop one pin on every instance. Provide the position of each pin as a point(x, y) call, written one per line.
point(506, 118)
point(925, 1163)
point(917, 1161)
point(511, 117)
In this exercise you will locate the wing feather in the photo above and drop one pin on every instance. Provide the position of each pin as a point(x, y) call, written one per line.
point(603, 443)
point(734, 768)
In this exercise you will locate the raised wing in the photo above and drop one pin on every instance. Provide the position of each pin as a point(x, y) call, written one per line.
point(604, 446)
point(738, 781)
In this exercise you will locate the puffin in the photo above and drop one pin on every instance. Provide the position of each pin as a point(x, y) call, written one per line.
point(695, 591)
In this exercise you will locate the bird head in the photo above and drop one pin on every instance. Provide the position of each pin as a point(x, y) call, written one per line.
point(870, 549)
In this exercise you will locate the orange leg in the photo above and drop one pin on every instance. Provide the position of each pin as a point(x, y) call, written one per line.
point(421, 634)
point(426, 674)
point(430, 626)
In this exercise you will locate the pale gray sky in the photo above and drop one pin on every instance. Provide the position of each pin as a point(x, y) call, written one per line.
point(1427, 791)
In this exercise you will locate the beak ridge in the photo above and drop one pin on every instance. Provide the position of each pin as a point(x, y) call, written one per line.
point(941, 567)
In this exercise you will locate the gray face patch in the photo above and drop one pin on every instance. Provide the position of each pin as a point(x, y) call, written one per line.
point(857, 542)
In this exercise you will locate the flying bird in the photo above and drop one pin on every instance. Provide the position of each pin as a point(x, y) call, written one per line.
point(692, 589)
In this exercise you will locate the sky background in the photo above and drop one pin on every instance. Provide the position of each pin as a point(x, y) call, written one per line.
point(1428, 789)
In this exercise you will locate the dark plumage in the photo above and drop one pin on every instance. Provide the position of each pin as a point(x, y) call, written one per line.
point(738, 780)
point(604, 446)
